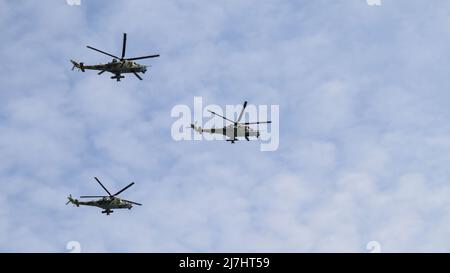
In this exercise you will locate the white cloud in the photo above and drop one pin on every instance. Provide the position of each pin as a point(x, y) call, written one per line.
point(364, 137)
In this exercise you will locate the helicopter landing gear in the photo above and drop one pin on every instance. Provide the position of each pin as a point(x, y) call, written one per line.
point(117, 77)
point(107, 212)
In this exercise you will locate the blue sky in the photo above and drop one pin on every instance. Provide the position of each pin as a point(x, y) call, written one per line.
point(364, 134)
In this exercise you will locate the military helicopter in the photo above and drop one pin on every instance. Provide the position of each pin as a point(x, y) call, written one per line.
point(107, 202)
point(118, 65)
point(233, 131)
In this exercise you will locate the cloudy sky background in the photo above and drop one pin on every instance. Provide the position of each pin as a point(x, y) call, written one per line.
point(364, 134)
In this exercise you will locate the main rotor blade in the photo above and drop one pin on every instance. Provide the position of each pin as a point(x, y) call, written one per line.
point(132, 202)
point(106, 53)
point(143, 57)
point(242, 112)
point(257, 122)
point(93, 196)
point(124, 45)
point(136, 74)
point(221, 116)
point(131, 184)
point(102, 186)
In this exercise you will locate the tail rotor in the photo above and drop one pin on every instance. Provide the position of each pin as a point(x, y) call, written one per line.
point(196, 128)
point(70, 197)
point(73, 201)
point(80, 66)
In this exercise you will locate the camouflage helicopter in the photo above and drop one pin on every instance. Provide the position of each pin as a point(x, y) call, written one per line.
point(233, 131)
point(117, 66)
point(108, 202)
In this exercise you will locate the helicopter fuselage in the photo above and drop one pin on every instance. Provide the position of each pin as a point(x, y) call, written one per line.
point(117, 67)
point(232, 131)
point(107, 203)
